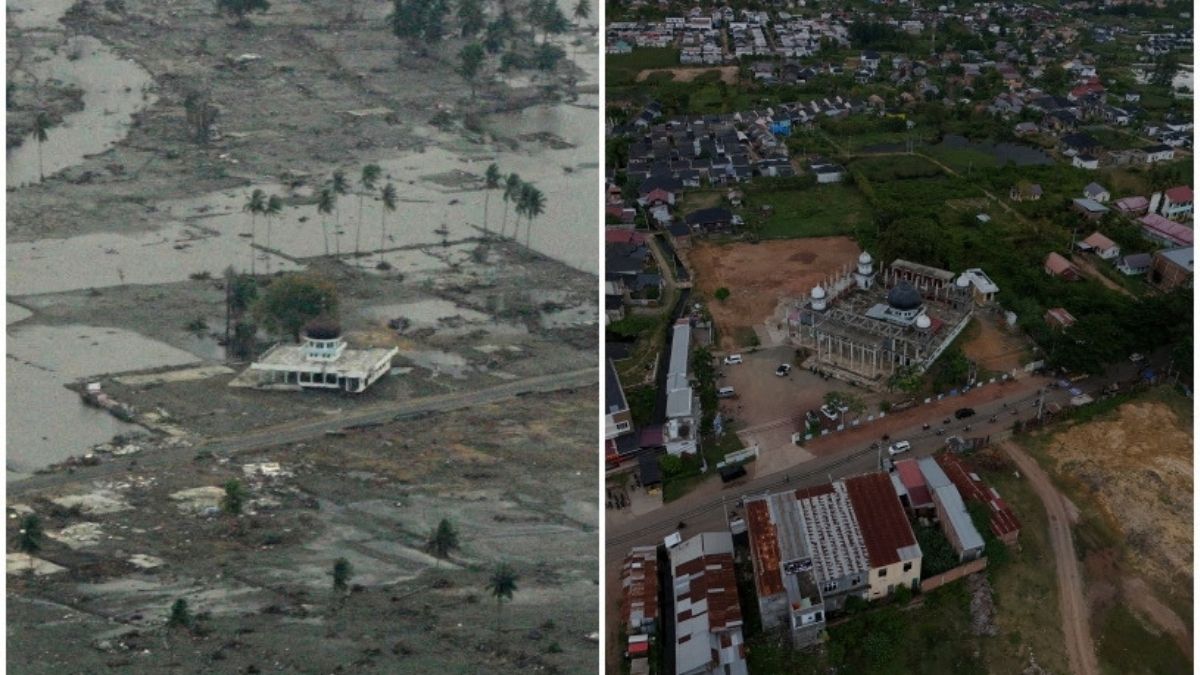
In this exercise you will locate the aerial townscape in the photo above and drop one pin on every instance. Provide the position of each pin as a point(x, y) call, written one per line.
point(898, 337)
point(302, 336)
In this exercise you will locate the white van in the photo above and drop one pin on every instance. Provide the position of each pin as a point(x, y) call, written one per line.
point(899, 447)
point(725, 392)
point(733, 359)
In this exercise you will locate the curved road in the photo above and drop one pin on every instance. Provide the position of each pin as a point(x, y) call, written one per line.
point(1081, 652)
point(302, 430)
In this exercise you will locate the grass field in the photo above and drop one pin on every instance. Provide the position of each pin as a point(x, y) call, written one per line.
point(819, 211)
point(622, 69)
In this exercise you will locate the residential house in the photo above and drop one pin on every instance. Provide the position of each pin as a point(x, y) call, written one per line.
point(1131, 206)
point(1168, 232)
point(617, 418)
point(827, 173)
point(715, 219)
point(708, 616)
point(1177, 203)
point(1081, 143)
point(1025, 191)
point(1085, 161)
point(1101, 245)
point(1001, 520)
point(983, 289)
point(1172, 268)
point(1159, 153)
point(1096, 192)
point(1025, 129)
point(1134, 264)
point(1089, 208)
point(1058, 318)
point(1058, 266)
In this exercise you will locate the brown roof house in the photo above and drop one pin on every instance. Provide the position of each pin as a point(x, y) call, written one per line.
point(1058, 266)
point(708, 618)
point(1058, 317)
point(1101, 245)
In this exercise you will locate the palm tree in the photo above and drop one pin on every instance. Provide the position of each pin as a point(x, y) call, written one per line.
point(582, 10)
point(512, 190)
point(254, 206)
point(491, 181)
point(370, 174)
point(502, 585)
point(325, 203)
point(535, 205)
point(41, 124)
point(273, 209)
point(341, 187)
point(388, 197)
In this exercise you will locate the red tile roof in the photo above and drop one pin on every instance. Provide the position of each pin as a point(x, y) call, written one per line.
point(880, 516)
point(764, 544)
point(1180, 194)
point(1003, 522)
point(639, 577)
point(1167, 229)
point(1097, 240)
point(618, 236)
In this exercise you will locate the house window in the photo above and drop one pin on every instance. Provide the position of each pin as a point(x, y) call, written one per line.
point(829, 587)
point(907, 566)
point(855, 581)
point(882, 573)
point(622, 426)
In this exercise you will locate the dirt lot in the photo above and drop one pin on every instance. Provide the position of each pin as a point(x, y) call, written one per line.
point(759, 275)
point(729, 74)
point(132, 547)
point(992, 346)
point(1130, 474)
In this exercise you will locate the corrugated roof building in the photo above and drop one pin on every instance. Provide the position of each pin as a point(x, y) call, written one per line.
point(708, 618)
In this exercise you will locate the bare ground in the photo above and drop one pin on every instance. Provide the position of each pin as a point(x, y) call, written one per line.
point(759, 275)
point(993, 347)
point(508, 478)
point(729, 74)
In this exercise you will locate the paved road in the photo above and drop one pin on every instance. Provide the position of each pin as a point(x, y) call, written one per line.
point(303, 430)
point(703, 510)
point(1081, 653)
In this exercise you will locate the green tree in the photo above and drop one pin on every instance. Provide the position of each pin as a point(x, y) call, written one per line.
point(342, 571)
point(29, 537)
point(491, 181)
point(512, 192)
point(255, 205)
point(470, 62)
point(326, 200)
point(420, 21)
point(502, 585)
point(240, 8)
point(234, 499)
point(546, 56)
point(387, 198)
point(41, 125)
point(442, 540)
point(366, 183)
point(721, 294)
point(180, 616)
point(293, 300)
point(471, 17)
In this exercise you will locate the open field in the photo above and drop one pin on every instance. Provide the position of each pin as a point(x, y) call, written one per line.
point(728, 74)
point(819, 211)
point(759, 275)
point(990, 345)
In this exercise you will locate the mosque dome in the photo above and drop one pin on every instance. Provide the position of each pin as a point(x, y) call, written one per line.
point(818, 293)
point(864, 258)
point(923, 322)
point(904, 297)
point(322, 328)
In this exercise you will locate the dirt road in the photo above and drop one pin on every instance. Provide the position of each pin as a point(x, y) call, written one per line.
point(1081, 651)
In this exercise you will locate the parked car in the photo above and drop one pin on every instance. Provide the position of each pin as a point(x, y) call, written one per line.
point(899, 447)
point(732, 473)
point(963, 413)
point(733, 359)
point(783, 369)
point(726, 392)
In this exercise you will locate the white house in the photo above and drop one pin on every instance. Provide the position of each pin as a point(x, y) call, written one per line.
point(322, 361)
point(1097, 192)
point(1101, 245)
point(1159, 153)
point(1085, 162)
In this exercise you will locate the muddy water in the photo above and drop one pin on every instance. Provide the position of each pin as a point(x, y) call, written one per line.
point(114, 89)
point(46, 422)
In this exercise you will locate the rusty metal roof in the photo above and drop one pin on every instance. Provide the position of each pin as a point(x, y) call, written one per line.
point(885, 529)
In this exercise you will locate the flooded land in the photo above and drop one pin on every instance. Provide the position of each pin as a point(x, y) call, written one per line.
point(123, 226)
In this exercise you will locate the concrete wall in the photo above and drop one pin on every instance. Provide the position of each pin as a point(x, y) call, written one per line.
point(955, 574)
